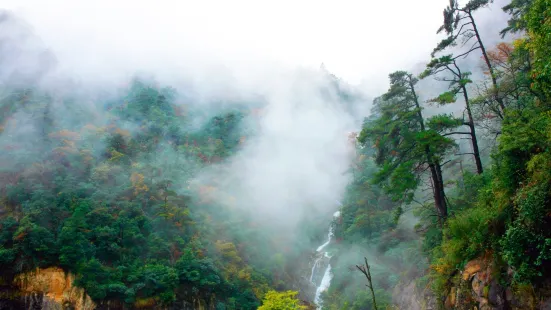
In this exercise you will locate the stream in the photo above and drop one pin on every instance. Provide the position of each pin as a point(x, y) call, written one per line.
point(322, 263)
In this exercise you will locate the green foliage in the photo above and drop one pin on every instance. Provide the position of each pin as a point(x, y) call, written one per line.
point(281, 301)
point(114, 205)
point(538, 25)
point(403, 143)
point(516, 9)
point(118, 204)
point(467, 235)
point(443, 122)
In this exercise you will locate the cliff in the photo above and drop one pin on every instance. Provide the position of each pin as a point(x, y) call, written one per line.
point(50, 288)
point(481, 285)
point(53, 289)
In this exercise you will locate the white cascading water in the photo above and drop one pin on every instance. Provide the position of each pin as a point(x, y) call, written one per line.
point(327, 275)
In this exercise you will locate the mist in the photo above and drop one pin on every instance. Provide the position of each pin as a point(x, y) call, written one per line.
point(220, 57)
point(294, 164)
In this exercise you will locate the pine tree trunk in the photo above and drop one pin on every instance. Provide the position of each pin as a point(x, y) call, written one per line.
point(438, 192)
point(490, 67)
point(435, 169)
point(476, 152)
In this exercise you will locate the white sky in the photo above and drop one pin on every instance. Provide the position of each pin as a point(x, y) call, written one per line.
point(358, 40)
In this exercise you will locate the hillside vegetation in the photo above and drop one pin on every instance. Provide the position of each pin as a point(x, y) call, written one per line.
point(111, 188)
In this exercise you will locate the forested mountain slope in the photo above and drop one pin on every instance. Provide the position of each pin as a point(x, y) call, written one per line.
point(124, 190)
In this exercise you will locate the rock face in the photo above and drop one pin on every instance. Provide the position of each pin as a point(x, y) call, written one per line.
point(53, 289)
point(477, 287)
point(409, 296)
point(47, 289)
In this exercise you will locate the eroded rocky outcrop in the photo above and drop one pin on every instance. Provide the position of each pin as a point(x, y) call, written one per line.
point(47, 289)
point(408, 295)
point(53, 289)
point(482, 286)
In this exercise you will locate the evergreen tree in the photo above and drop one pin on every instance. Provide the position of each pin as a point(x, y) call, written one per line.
point(460, 25)
point(458, 85)
point(405, 145)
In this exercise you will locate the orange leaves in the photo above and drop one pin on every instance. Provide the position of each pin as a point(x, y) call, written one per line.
point(122, 132)
point(500, 55)
point(20, 236)
point(68, 141)
point(137, 180)
point(65, 135)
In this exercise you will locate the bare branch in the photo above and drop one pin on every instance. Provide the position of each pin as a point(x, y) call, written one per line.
point(456, 133)
point(466, 53)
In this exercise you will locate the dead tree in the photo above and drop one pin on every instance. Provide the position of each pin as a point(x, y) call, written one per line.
point(365, 269)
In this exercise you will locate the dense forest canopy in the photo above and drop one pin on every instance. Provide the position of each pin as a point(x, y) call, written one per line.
point(158, 196)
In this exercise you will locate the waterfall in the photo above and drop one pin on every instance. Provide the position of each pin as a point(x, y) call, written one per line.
point(323, 257)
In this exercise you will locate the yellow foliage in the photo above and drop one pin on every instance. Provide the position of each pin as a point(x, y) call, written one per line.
point(281, 301)
point(244, 275)
point(115, 155)
point(101, 173)
point(137, 180)
point(142, 303)
point(260, 290)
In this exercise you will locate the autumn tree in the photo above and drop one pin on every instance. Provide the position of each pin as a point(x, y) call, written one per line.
point(512, 62)
point(281, 301)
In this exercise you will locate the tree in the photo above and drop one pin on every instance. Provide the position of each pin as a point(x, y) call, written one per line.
point(517, 9)
point(365, 269)
point(405, 145)
point(458, 84)
point(459, 24)
point(281, 301)
point(538, 25)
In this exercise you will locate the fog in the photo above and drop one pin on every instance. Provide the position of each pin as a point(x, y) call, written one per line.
point(217, 53)
point(357, 40)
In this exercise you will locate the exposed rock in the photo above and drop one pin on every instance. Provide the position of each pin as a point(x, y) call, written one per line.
point(451, 299)
point(471, 268)
point(476, 288)
point(55, 288)
point(409, 296)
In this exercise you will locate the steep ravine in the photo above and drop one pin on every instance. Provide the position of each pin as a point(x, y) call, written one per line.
point(321, 274)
